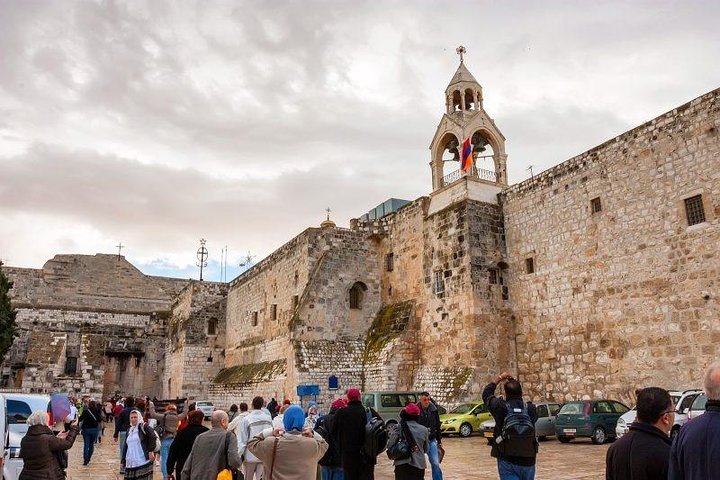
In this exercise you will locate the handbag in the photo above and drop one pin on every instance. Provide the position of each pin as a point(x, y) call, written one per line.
point(400, 450)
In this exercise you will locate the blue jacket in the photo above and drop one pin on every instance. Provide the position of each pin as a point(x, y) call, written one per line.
point(695, 453)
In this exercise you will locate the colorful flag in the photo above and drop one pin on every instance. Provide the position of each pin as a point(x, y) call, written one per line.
point(466, 161)
point(60, 406)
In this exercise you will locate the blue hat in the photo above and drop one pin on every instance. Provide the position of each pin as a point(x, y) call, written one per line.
point(294, 418)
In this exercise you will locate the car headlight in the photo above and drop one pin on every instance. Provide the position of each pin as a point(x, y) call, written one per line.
point(452, 420)
point(621, 423)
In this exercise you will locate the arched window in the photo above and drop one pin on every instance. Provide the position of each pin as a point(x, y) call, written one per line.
point(357, 292)
point(212, 326)
point(470, 100)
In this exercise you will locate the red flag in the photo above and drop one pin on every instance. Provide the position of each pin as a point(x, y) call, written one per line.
point(466, 161)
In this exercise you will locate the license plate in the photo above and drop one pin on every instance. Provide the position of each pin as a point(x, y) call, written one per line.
point(488, 434)
point(569, 430)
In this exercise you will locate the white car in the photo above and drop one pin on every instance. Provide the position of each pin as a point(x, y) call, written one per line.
point(682, 402)
point(15, 408)
point(205, 406)
point(698, 407)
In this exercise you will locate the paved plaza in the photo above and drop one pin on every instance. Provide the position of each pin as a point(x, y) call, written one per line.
point(466, 459)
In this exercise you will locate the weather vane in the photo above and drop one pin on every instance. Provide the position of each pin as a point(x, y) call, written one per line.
point(461, 51)
point(202, 256)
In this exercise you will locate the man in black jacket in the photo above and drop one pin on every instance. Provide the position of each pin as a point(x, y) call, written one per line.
point(330, 463)
point(644, 452)
point(509, 467)
point(430, 418)
point(349, 430)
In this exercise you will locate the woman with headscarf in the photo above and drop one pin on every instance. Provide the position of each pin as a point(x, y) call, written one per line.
point(138, 454)
point(182, 445)
point(417, 436)
point(291, 454)
point(40, 448)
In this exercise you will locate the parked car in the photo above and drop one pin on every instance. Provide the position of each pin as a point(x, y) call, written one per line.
point(15, 408)
point(464, 419)
point(596, 419)
point(205, 406)
point(682, 402)
point(389, 403)
point(544, 426)
point(698, 407)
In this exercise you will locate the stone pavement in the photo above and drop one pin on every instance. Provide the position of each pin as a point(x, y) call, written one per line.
point(466, 459)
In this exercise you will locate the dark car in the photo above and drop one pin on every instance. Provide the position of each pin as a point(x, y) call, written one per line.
point(588, 418)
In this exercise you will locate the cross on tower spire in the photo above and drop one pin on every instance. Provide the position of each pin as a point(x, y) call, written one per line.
point(327, 210)
point(461, 51)
point(120, 246)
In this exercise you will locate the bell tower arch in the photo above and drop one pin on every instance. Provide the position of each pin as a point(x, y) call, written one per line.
point(466, 119)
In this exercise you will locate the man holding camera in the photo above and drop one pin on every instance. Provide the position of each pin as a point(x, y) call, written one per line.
point(515, 453)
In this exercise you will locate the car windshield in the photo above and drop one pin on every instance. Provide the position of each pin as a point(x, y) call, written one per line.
point(572, 408)
point(462, 409)
point(700, 402)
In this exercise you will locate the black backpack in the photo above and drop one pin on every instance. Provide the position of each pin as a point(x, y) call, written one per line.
point(322, 429)
point(518, 434)
point(376, 436)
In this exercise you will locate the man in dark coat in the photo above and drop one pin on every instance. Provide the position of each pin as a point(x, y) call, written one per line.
point(40, 448)
point(430, 418)
point(182, 445)
point(643, 453)
point(695, 454)
point(330, 463)
point(349, 430)
point(508, 467)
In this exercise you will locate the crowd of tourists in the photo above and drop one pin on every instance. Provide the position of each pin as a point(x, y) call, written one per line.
point(287, 442)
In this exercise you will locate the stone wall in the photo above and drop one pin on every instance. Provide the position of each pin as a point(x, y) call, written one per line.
point(627, 296)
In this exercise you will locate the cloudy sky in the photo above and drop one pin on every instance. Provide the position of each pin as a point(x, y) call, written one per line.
point(157, 123)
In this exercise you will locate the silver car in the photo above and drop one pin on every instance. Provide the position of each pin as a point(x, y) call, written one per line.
point(15, 408)
point(544, 426)
point(206, 407)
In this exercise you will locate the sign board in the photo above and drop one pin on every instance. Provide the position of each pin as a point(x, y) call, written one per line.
point(333, 382)
point(308, 390)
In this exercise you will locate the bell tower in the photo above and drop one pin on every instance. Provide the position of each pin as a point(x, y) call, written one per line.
point(466, 119)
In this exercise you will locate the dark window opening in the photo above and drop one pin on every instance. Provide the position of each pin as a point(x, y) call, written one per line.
point(297, 278)
point(70, 365)
point(493, 276)
point(595, 205)
point(212, 327)
point(209, 359)
point(530, 265)
point(17, 411)
point(694, 210)
point(273, 311)
point(356, 295)
point(389, 291)
point(389, 262)
point(254, 319)
point(439, 283)
point(295, 302)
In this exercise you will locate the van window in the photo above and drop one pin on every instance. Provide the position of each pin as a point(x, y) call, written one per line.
point(407, 398)
point(390, 401)
point(369, 400)
point(687, 401)
point(17, 411)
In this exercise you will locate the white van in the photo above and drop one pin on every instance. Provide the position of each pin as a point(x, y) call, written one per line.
point(15, 408)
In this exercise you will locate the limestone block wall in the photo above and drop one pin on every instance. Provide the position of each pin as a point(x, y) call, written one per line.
point(627, 296)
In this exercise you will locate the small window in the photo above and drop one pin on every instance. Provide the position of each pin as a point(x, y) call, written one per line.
point(619, 407)
point(493, 276)
point(296, 279)
point(295, 302)
point(542, 411)
point(356, 295)
point(254, 319)
point(389, 262)
point(595, 205)
point(70, 365)
point(554, 409)
point(694, 210)
point(530, 265)
point(369, 400)
point(212, 326)
point(390, 291)
point(273, 311)
point(439, 283)
point(209, 359)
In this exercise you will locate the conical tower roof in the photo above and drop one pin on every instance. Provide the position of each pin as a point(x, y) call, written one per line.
point(462, 74)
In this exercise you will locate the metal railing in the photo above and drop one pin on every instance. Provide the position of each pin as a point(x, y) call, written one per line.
point(474, 172)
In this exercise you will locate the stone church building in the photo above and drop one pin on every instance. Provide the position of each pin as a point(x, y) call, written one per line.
point(590, 279)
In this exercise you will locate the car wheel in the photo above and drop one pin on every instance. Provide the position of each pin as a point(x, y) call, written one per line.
point(465, 430)
point(598, 436)
point(542, 437)
point(563, 439)
point(674, 432)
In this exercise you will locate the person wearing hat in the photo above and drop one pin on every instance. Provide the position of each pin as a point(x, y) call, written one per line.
point(349, 430)
point(418, 438)
point(292, 453)
point(330, 466)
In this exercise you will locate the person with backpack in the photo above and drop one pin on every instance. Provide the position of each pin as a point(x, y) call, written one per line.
point(167, 427)
point(430, 418)
point(330, 465)
point(514, 445)
point(417, 437)
point(349, 428)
